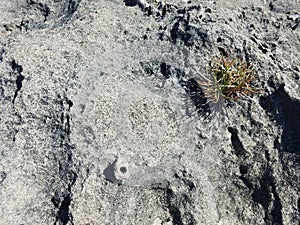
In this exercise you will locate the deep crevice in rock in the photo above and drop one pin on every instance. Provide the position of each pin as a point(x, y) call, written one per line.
point(62, 203)
point(244, 172)
point(173, 210)
point(286, 112)
point(63, 212)
point(172, 204)
point(266, 195)
point(64, 157)
point(131, 2)
point(264, 192)
point(17, 69)
point(2, 51)
point(178, 204)
point(238, 147)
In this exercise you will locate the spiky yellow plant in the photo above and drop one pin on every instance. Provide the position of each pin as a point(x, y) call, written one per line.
point(230, 79)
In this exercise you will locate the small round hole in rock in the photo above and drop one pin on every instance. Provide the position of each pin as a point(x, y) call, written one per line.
point(123, 169)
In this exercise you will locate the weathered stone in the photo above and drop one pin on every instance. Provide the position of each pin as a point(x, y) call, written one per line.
point(102, 120)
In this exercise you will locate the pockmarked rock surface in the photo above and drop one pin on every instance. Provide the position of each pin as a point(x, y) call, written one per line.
point(102, 122)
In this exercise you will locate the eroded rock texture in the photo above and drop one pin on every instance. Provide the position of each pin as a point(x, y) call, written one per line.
point(102, 120)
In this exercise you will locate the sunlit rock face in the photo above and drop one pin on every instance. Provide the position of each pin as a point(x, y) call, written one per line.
point(103, 121)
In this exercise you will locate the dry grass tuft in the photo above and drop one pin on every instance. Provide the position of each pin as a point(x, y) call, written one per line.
point(232, 79)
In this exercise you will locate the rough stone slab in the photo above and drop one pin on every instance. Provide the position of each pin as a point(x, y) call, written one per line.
point(101, 120)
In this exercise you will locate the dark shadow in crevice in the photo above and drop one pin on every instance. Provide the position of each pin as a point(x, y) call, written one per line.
point(267, 196)
point(131, 2)
point(286, 111)
point(173, 210)
point(64, 210)
point(62, 203)
point(265, 193)
point(60, 126)
point(17, 69)
point(238, 147)
point(239, 151)
point(2, 51)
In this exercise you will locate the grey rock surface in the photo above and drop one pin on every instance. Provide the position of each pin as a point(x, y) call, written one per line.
point(101, 120)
